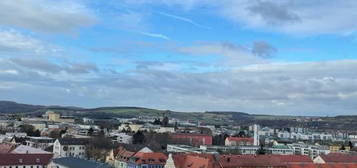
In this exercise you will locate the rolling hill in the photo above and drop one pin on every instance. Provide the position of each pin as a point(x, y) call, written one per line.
point(209, 117)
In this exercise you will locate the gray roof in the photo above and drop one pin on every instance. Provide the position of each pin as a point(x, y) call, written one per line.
point(71, 162)
point(73, 141)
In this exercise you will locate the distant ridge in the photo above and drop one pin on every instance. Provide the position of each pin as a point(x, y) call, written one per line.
point(13, 107)
point(208, 117)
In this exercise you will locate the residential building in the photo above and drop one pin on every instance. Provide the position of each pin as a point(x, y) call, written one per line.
point(280, 150)
point(180, 160)
point(40, 142)
point(190, 139)
point(7, 147)
point(52, 116)
point(123, 138)
point(16, 134)
point(70, 147)
point(122, 157)
point(236, 141)
point(146, 158)
point(130, 127)
point(23, 149)
point(11, 160)
point(310, 150)
point(188, 149)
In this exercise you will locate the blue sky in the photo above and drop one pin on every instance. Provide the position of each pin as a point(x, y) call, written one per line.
point(258, 56)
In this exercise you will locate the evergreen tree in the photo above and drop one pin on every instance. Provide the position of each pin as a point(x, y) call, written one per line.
point(138, 138)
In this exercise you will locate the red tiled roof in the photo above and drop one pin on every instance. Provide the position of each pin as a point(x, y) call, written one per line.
point(339, 158)
point(235, 161)
point(329, 165)
point(293, 158)
point(123, 154)
point(6, 147)
point(261, 160)
point(195, 139)
point(25, 159)
point(155, 158)
point(195, 161)
point(239, 139)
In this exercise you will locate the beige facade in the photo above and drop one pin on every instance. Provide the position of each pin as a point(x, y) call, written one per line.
point(52, 116)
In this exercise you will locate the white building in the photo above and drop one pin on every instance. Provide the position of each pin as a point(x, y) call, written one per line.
point(23, 149)
point(40, 142)
point(310, 150)
point(123, 138)
point(70, 147)
point(280, 150)
point(16, 134)
point(256, 135)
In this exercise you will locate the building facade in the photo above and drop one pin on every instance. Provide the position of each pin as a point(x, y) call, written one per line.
point(70, 147)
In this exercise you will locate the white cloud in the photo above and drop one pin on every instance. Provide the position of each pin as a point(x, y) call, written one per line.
point(293, 17)
point(187, 20)
point(45, 16)
point(313, 88)
point(231, 54)
point(155, 35)
point(9, 71)
point(11, 40)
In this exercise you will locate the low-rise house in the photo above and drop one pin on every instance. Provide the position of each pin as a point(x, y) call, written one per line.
point(25, 160)
point(16, 134)
point(130, 127)
point(280, 150)
point(190, 139)
point(122, 157)
point(23, 149)
point(40, 142)
point(146, 158)
point(339, 147)
point(123, 138)
point(70, 147)
point(235, 141)
point(165, 130)
point(6, 147)
point(180, 160)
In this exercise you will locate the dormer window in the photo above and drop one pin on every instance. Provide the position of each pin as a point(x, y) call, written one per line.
point(20, 160)
point(37, 160)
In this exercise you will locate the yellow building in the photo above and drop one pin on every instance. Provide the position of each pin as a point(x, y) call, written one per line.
point(130, 127)
point(336, 148)
point(52, 116)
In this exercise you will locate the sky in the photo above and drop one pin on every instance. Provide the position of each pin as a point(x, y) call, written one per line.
point(288, 57)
